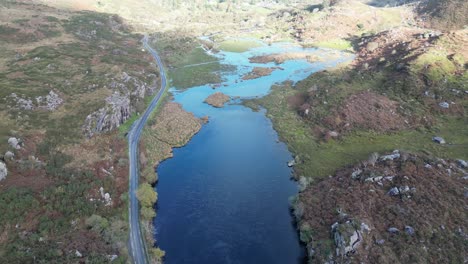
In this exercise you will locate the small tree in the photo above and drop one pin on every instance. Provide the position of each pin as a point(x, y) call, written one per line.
point(147, 213)
point(146, 195)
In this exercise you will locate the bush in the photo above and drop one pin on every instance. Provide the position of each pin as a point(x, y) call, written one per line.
point(147, 213)
point(97, 223)
point(146, 195)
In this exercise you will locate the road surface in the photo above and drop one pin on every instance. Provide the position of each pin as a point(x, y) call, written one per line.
point(137, 248)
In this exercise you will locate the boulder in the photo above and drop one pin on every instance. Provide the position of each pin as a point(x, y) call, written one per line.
point(409, 230)
point(462, 163)
point(393, 156)
point(438, 140)
point(393, 230)
point(444, 105)
point(3, 171)
point(9, 155)
point(14, 143)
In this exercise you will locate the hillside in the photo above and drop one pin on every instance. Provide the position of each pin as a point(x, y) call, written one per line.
point(69, 81)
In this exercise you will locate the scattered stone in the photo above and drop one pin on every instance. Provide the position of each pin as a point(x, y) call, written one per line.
point(21, 103)
point(291, 163)
point(49, 102)
point(14, 143)
point(393, 230)
point(365, 227)
point(112, 257)
point(380, 241)
point(217, 99)
point(3, 171)
point(78, 254)
point(315, 10)
point(409, 230)
point(444, 105)
point(428, 166)
point(438, 140)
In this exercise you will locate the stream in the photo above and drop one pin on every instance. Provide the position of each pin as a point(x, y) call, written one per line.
point(224, 197)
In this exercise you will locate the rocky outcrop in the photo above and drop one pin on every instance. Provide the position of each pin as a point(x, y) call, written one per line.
point(3, 171)
point(49, 102)
point(128, 91)
point(347, 237)
point(21, 103)
point(115, 113)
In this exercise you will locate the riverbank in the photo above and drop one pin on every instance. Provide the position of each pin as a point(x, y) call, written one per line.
point(169, 127)
point(392, 96)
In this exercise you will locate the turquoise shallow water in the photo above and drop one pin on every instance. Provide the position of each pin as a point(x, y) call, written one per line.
point(223, 198)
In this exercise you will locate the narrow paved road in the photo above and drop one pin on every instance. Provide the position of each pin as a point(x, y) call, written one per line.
point(137, 248)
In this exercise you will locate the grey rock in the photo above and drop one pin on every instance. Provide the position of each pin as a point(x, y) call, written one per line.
point(365, 227)
point(393, 230)
point(409, 230)
point(9, 155)
point(115, 113)
point(438, 140)
point(356, 173)
point(3, 171)
point(22, 103)
point(14, 143)
point(462, 163)
point(393, 156)
point(346, 238)
point(393, 191)
point(49, 102)
point(291, 163)
point(444, 105)
point(380, 241)
point(315, 10)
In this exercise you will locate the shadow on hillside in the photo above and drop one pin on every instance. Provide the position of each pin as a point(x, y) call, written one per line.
point(389, 3)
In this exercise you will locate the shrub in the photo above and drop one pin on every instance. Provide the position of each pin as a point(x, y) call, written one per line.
point(146, 195)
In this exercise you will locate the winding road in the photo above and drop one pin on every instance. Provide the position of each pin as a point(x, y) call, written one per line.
point(137, 248)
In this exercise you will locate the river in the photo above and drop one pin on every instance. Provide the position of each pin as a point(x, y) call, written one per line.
point(223, 198)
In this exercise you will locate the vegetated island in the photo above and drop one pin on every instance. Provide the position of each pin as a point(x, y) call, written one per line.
point(282, 57)
point(258, 72)
point(217, 99)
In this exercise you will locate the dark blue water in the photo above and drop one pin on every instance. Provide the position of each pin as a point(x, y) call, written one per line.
point(223, 198)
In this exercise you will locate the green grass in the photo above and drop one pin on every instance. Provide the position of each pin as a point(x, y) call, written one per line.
point(238, 45)
point(338, 44)
point(320, 158)
point(195, 68)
